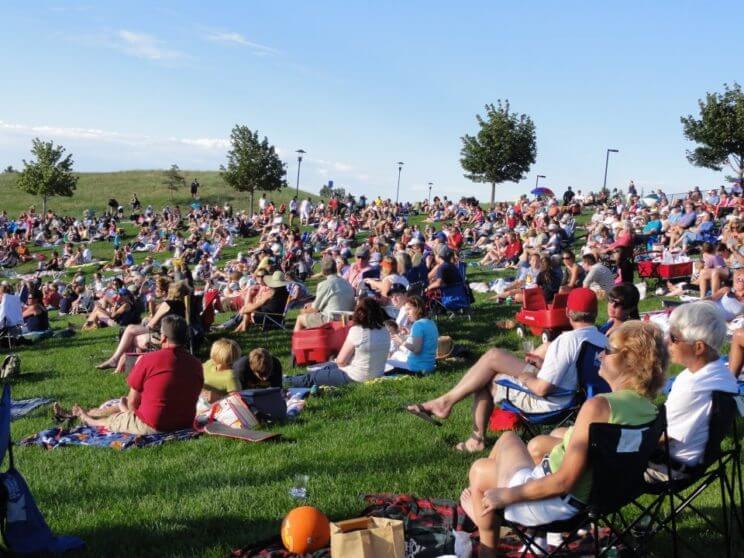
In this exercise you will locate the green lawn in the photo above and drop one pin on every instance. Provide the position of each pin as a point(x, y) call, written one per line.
point(206, 496)
point(94, 190)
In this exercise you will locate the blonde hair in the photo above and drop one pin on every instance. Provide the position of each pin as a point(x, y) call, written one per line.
point(224, 353)
point(645, 355)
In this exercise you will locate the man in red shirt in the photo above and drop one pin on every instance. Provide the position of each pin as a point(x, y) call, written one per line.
point(164, 386)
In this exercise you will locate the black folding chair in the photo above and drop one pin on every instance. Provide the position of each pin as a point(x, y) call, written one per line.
point(721, 465)
point(618, 456)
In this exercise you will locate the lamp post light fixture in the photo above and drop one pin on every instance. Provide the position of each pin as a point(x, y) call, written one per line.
point(607, 161)
point(429, 198)
point(537, 179)
point(300, 153)
point(397, 189)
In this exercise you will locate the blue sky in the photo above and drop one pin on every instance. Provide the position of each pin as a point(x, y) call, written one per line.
point(361, 85)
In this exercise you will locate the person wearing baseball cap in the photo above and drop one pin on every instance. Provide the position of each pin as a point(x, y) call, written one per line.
point(357, 269)
point(540, 376)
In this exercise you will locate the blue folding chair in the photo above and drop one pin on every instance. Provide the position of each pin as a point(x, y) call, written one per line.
point(454, 299)
point(589, 384)
point(23, 527)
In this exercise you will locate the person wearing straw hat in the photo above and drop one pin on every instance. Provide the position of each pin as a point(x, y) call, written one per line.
point(272, 301)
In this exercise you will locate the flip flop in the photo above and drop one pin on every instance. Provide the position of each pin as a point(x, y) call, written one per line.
point(423, 414)
point(463, 447)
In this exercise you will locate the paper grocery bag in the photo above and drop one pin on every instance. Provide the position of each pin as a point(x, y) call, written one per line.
point(368, 537)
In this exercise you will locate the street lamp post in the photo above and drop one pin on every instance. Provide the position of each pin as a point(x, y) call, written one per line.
point(300, 153)
point(397, 189)
point(429, 198)
point(537, 179)
point(607, 161)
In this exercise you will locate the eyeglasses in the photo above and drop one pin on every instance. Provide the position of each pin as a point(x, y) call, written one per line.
point(615, 301)
point(610, 350)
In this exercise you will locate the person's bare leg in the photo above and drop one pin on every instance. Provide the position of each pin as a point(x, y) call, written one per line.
point(540, 446)
point(126, 344)
point(508, 456)
point(300, 323)
point(85, 418)
point(718, 275)
point(736, 354)
point(482, 409)
point(492, 363)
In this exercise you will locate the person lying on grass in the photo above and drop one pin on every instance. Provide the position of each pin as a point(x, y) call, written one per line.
point(549, 479)
point(164, 386)
point(219, 377)
point(557, 370)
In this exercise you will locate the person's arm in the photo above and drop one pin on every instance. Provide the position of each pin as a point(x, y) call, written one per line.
point(162, 310)
point(346, 354)
point(415, 341)
point(120, 310)
point(134, 399)
point(564, 479)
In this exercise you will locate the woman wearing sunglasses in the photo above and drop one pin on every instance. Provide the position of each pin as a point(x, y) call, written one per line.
point(622, 305)
point(550, 479)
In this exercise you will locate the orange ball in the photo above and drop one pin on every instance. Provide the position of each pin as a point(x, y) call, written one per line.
point(305, 529)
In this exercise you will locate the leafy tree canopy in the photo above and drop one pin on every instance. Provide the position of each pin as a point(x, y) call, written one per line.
point(173, 179)
point(719, 131)
point(50, 174)
point(252, 164)
point(503, 149)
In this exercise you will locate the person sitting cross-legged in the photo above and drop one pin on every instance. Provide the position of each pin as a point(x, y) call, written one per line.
point(164, 386)
point(334, 295)
point(550, 479)
point(539, 376)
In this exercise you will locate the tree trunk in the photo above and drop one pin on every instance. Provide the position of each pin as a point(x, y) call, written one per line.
point(493, 195)
point(251, 203)
point(43, 206)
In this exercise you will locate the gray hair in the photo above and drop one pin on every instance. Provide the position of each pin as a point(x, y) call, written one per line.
point(328, 266)
point(702, 320)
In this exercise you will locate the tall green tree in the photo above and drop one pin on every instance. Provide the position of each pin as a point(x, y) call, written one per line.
point(719, 131)
point(173, 179)
point(50, 174)
point(503, 149)
point(9, 169)
point(252, 164)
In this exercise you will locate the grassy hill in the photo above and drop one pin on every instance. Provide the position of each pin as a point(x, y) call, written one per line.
point(95, 188)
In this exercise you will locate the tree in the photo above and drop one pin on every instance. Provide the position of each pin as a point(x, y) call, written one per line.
point(719, 131)
point(327, 191)
point(50, 174)
point(9, 170)
point(173, 179)
point(252, 165)
point(503, 149)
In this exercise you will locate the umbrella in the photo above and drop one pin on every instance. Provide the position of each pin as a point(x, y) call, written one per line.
point(542, 192)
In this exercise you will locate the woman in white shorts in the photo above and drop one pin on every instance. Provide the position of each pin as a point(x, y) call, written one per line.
point(549, 479)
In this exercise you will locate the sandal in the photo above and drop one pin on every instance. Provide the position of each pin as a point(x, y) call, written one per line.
point(423, 414)
point(463, 446)
point(59, 415)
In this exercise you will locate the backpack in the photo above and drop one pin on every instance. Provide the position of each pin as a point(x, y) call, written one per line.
point(11, 367)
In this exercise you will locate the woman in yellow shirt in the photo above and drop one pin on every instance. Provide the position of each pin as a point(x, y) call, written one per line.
point(219, 378)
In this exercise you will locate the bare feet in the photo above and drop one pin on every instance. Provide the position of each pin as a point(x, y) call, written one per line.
point(106, 364)
point(466, 502)
point(474, 444)
point(80, 413)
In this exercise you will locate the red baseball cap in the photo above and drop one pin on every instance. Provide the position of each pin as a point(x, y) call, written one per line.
point(582, 300)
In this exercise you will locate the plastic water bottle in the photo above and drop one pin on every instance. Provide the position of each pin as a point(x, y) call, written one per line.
point(463, 544)
point(299, 488)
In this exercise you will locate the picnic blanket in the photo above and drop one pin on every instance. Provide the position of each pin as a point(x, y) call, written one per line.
point(52, 438)
point(429, 525)
point(23, 407)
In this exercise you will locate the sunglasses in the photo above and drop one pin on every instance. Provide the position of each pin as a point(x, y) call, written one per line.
point(615, 301)
point(610, 350)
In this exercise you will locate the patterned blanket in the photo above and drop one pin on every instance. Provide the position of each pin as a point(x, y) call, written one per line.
point(99, 437)
point(428, 530)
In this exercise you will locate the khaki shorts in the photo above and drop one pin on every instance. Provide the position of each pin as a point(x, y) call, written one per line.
point(315, 319)
point(128, 423)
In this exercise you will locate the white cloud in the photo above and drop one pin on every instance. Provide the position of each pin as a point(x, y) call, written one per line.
point(363, 177)
point(232, 38)
point(142, 45)
point(342, 167)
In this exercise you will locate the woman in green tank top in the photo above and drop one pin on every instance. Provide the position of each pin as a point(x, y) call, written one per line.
point(549, 479)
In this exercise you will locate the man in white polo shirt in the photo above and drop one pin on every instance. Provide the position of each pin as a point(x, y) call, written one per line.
point(697, 331)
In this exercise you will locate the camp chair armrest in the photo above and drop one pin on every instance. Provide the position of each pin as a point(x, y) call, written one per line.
point(558, 392)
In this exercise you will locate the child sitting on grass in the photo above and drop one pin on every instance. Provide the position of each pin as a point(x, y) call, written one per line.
point(219, 378)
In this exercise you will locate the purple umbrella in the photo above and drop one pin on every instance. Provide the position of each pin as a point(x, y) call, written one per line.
point(542, 192)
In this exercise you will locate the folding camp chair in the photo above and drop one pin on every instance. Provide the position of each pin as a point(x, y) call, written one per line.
point(589, 384)
point(720, 465)
point(23, 528)
point(618, 456)
point(454, 299)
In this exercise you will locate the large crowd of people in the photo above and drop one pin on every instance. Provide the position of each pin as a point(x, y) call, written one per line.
point(385, 273)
